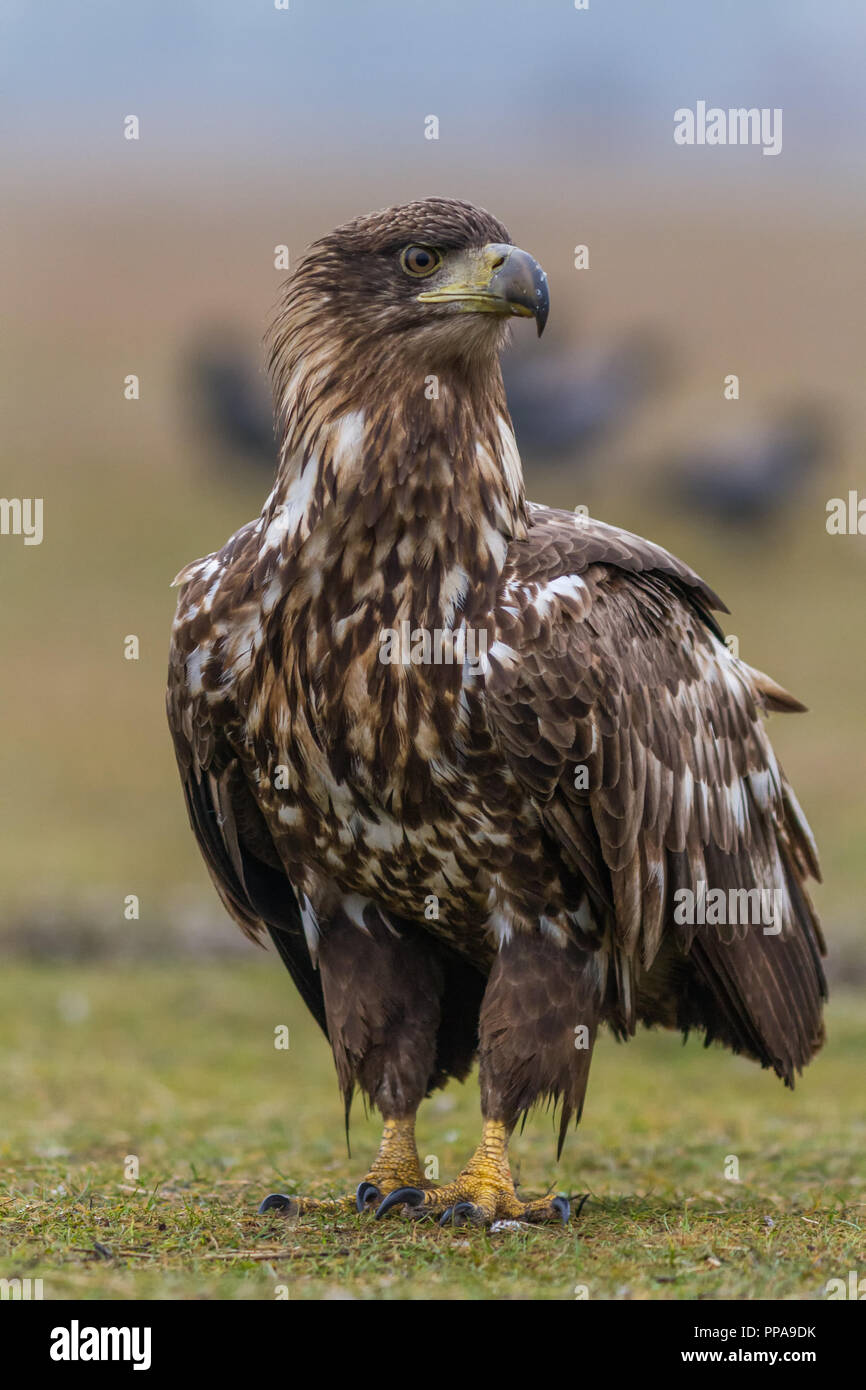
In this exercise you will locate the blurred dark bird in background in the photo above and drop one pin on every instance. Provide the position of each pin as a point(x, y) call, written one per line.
point(575, 397)
point(228, 398)
point(750, 475)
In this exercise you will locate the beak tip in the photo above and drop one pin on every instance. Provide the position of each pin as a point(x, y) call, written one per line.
point(543, 306)
point(521, 283)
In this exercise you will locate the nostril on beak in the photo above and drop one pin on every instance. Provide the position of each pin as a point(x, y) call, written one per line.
point(500, 260)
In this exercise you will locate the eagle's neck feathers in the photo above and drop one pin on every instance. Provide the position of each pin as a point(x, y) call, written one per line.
point(405, 474)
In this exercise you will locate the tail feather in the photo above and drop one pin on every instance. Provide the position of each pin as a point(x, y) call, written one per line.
point(761, 991)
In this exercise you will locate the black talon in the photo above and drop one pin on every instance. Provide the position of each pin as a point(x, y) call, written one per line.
point(278, 1201)
point(581, 1204)
point(367, 1194)
point(446, 1216)
point(563, 1206)
point(467, 1209)
point(404, 1196)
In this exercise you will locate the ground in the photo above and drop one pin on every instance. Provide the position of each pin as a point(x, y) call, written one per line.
point(175, 1066)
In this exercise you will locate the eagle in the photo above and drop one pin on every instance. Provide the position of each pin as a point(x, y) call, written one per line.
point(486, 772)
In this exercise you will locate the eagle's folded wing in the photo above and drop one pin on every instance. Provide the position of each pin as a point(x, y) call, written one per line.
point(231, 830)
point(641, 740)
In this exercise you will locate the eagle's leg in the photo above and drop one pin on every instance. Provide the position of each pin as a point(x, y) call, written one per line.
point(396, 1165)
point(382, 989)
point(538, 1024)
point(484, 1191)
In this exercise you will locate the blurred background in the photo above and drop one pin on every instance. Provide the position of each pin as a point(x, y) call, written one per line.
point(155, 257)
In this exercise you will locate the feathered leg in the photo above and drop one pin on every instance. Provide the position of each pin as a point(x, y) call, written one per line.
point(538, 1025)
point(396, 1033)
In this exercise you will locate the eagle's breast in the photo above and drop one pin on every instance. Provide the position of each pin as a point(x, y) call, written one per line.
point(346, 636)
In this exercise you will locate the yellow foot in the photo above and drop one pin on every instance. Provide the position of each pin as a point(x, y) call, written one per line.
point(396, 1166)
point(473, 1201)
point(482, 1193)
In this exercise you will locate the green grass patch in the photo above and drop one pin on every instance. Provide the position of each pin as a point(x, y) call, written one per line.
point(176, 1068)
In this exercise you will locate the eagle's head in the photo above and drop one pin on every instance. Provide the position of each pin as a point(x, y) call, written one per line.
point(406, 292)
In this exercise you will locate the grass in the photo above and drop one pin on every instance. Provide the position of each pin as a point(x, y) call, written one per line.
point(176, 1067)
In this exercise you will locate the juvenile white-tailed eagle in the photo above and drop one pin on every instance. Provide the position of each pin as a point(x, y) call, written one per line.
point(565, 817)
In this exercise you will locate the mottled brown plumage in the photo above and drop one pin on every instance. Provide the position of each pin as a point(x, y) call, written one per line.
point(443, 848)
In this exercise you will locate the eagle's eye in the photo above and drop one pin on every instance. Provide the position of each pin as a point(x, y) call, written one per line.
point(420, 260)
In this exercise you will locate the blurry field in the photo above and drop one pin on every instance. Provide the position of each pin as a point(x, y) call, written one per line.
point(176, 1067)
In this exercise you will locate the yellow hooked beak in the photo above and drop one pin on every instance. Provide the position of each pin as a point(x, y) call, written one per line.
point(494, 279)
